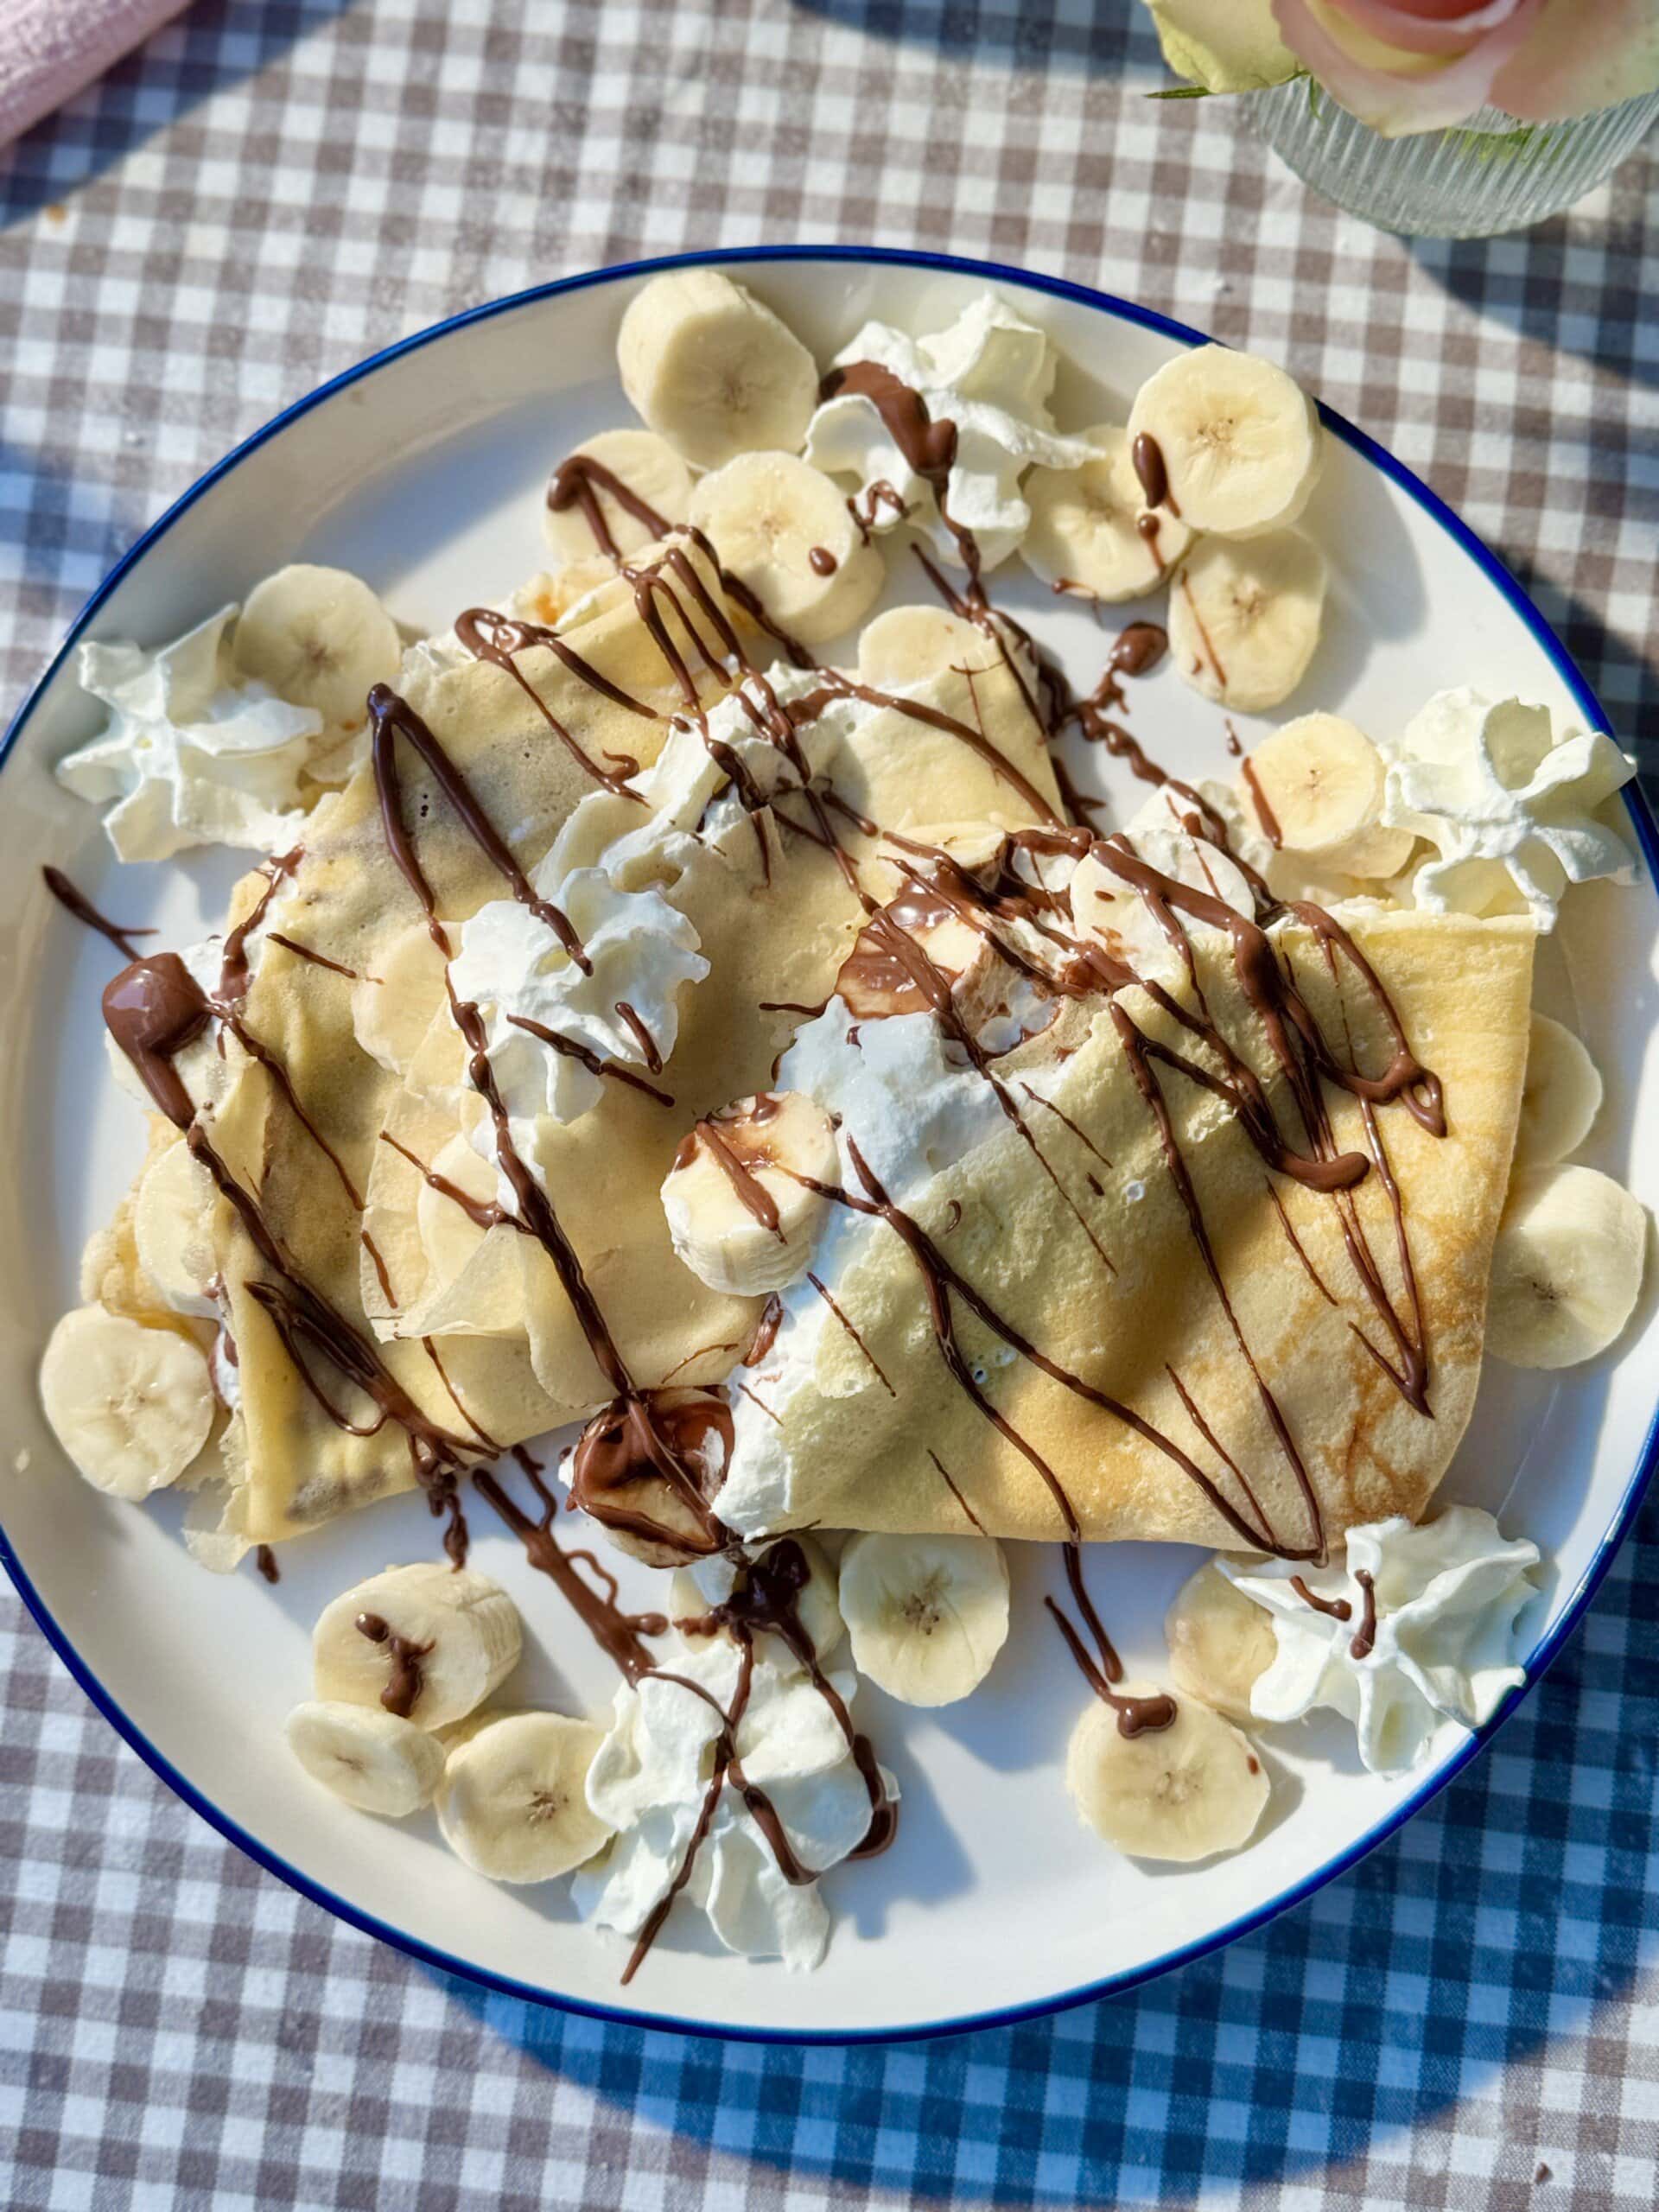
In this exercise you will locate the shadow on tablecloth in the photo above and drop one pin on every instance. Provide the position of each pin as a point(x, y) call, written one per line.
point(1509, 1913)
point(215, 43)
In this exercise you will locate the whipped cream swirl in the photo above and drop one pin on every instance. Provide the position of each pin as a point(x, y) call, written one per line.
point(192, 753)
point(1508, 802)
point(990, 373)
point(652, 1773)
point(1431, 1639)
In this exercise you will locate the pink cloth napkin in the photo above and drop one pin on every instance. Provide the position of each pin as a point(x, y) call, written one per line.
point(50, 48)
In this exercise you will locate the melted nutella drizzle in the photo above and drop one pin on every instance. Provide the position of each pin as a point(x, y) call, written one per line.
point(929, 448)
point(1264, 813)
point(1365, 1634)
point(309, 952)
point(765, 1599)
point(578, 481)
point(393, 718)
point(84, 911)
point(1335, 1609)
point(234, 960)
point(406, 1680)
point(1148, 456)
point(265, 1559)
point(1136, 1716)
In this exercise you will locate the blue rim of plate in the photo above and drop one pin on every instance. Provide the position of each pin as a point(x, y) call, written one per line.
point(1647, 833)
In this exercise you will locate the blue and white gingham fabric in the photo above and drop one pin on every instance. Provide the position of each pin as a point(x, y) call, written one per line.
point(263, 195)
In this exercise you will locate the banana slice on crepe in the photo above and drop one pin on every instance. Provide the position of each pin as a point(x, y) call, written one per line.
point(320, 638)
point(739, 1199)
point(392, 1009)
point(909, 644)
point(645, 465)
point(173, 1228)
point(713, 371)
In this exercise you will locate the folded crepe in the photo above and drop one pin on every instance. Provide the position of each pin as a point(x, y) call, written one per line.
point(864, 1426)
point(337, 1147)
point(305, 1444)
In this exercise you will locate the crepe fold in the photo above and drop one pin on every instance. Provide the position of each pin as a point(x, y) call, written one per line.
point(1151, 1330)
point(310, 1444)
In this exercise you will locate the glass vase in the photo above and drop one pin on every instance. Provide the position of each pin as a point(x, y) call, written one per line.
point(1492, 173)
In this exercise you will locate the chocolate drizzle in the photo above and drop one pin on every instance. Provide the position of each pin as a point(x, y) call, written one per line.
point(735, 1140)
point(929, 448)
point(84, 911)
point(1365, 1635)
point(393, 718)
point(1335, 1609)
point(406, 1680)
point(1148, 456)
point(234, 960)
point(578, 481)
point(618, 1634)
point(1138, 648)
point(1264, 813)
point(309, 952)
point(766, 1599)
point(1136, 1715)
point(874, 497)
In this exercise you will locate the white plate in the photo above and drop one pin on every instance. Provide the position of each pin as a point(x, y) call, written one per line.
point(423, 470)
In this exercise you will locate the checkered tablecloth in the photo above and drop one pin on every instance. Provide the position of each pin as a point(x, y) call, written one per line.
point(268, 191)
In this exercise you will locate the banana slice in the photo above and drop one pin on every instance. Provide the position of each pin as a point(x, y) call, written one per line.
point(392, 1009)
point(737, 1214)
point(319, 638)
point(1179, 1792)
point(693, 1594)
point(551, 596)
point(651, 469)
point(449, 1234)
point(173, 1228)
point(927, 1615)
point(468, 1625)
point(1107, 909)
point(782, 527)
point(371, 1759)
point(1566, 1268)
point(1244, 618)
point(1562, 1095)
point(1219, 1641)
point(1090, 530)
point(514, 1802)
point(131, 1405)
point(908, 645)
point(713, 371)
point(1321, 780)
point(1240, 439)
